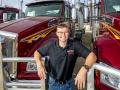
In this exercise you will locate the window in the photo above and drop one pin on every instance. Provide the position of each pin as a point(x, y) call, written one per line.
point(44, 9)
point(9, 16)
point(113, 6)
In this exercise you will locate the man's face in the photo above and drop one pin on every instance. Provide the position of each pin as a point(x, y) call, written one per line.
point(62, 34)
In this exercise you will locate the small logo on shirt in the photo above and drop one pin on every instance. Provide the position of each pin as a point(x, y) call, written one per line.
point(70, 52)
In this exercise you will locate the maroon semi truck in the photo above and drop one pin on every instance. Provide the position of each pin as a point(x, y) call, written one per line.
point(107, 44)
point(20, 38)
point(8, 13)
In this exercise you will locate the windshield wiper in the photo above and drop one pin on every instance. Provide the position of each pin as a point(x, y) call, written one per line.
point(42, 15)
point(115, 12)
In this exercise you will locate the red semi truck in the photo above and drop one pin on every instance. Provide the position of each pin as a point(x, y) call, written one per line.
point(8, 13)
point(107, 44)
point(20, 38)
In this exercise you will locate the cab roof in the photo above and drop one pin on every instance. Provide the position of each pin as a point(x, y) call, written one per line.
point(46, 1)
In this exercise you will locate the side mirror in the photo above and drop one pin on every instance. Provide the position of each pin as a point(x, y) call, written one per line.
point(4, 17)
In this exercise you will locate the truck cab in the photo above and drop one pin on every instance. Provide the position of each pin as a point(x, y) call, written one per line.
point(8, 13)
point(20, 38)
point(107, 44)
point(45, 15)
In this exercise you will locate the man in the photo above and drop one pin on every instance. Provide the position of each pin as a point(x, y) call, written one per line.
point(63, 54)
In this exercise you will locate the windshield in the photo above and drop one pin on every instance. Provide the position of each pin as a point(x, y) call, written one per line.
point(44, 9)
point(112, 6)
point(9, 16)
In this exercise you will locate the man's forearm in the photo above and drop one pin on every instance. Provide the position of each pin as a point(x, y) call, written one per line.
point(91, 59)
point(37, 58)
point(40, 68)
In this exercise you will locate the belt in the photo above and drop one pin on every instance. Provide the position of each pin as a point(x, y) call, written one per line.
point(60, 81)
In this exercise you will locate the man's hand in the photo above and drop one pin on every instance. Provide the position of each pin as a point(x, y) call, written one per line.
point(41, 72)
point(80, 79)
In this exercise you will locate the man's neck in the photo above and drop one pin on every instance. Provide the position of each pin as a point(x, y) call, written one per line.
point(62, 44)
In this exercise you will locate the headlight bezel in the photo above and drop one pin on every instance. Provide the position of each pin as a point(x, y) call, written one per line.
point(9, 40)
point(13, 38)
point(109, 80)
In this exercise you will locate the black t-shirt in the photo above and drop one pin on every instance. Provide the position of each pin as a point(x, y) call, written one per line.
point(62, 60)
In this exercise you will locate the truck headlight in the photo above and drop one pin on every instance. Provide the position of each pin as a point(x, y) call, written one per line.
point(110, 80)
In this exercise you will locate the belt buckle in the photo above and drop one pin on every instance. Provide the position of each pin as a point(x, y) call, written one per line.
point(62, 82)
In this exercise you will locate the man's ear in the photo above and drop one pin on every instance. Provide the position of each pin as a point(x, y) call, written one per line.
point(70, 33)
point(56, 33)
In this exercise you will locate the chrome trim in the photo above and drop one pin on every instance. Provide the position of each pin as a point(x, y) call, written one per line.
point(2, 85)
point(25, 83)
point(109, 85)
point(21, 84)
point(23, 89)
point(20, 59)
point(106, 69)
point(102, 68)
point(9, 34)
point(14, 38)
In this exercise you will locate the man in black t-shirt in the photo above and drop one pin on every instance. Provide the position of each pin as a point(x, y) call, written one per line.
point(62, 57)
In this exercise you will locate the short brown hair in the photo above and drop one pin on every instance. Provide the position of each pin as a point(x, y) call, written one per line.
point(63, 25)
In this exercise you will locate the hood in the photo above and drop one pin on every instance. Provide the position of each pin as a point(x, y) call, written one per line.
point(109, 51)
point(115, 15)
point(24, 24)
point(114, 19)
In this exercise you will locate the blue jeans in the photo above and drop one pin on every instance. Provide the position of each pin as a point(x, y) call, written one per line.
point(53, 85)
